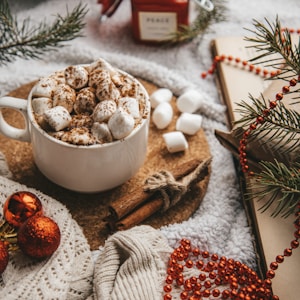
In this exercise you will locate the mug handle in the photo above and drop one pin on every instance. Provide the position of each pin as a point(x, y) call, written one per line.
point(11, 131)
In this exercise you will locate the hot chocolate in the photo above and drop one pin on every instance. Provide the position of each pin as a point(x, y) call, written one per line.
point(89, 104)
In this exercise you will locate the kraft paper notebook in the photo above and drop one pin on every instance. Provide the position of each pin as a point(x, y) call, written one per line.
point(272, 235)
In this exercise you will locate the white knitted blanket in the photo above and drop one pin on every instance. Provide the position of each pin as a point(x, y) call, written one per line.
point(219, 225)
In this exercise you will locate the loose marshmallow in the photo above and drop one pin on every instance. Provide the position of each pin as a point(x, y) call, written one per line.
point(159, 96)
point(104, 110)
point(101, 132)
point(40, 105)
point(64, 96)
point(57, 117)
point(175, 141)
point(85, 101)
point(45, 87)
point(189, 123)
point(189, 101)
point(120, 124)
point(130, 105)
point(162, 115)
point(76, 76)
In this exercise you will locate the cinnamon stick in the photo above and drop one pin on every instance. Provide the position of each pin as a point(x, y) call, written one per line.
point(126, 204)
point(153, 205)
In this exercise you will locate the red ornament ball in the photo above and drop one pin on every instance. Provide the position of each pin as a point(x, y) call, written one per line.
point(3, 256)
point(20, 206)
point(39, 237)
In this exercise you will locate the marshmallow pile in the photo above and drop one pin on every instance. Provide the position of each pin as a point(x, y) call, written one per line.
point(89, 104)
point(188, 122)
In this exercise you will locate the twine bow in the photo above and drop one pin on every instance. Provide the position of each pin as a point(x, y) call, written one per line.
point(173, 190)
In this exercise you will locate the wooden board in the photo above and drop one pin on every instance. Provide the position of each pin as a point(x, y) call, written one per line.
point(89, 210)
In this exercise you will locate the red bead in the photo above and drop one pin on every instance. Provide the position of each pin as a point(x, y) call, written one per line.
point(260, 120)
point(225, 294)
point(189, 263)
point(216, 292)
point(197, 286)
point(203, 75)
point(285, 89)
point(252, 126)
point(205, 254)
point(294, 244)
point(273, 104)
point(167, 288)
point(193, 279)
point(202, 276)
point(196, 251)
point(167, 297)
point(180, 281)
point(288, 252)
point(206, 293)
point(188, 286)
point(279, 258)
point(169, 279)
point(279, 96)
point(199, 264)
point(268, 282)
point(274, 265)
point(293, 82)
point(245, 63)
point(184, 295)
point(297, 234)
point(251, 67)
point(218, 281)
point(270, 274)
point(207, 284)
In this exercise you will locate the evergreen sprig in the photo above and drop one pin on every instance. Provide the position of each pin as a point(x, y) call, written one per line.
point(25, 41)
point(280, 185)
point(277, 182)
point(280, 127)
point(204, 19)
point(275, 48)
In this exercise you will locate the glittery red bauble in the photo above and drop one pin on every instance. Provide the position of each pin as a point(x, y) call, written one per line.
point(39, 237)
point(20, 206)
point(3, 256)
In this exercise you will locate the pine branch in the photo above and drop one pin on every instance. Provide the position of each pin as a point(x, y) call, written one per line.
point(21, 40)
point(270, 40)
point(202, 22)
point(277, 184)
point(279, 187)
point(280, 127)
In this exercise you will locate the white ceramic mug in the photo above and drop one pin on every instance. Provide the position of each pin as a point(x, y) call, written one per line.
point(86, 169)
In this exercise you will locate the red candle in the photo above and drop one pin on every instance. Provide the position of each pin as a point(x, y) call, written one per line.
point(154, 21)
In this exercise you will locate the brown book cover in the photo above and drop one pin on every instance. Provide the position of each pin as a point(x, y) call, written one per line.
point(272, 235)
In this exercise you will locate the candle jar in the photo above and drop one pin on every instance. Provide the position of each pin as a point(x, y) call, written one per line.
point(154, 21)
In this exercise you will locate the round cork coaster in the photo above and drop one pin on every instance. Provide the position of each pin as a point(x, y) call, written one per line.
point(90, 210)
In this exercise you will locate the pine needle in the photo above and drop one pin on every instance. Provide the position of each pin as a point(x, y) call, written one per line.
point(25, 41)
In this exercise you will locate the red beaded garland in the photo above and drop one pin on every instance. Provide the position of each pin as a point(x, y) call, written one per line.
point(244, 282)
